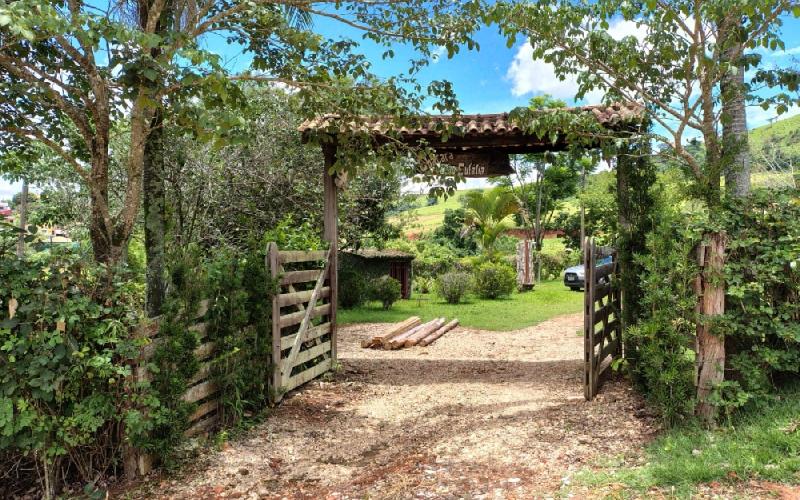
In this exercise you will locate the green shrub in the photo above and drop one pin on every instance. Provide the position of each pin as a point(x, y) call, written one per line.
point(494, 280)
point(64, 358)
point(453, 286)
point(353, 287)
point(657, 349)
point(386, 290)
point(762, 275)
point(423, 284)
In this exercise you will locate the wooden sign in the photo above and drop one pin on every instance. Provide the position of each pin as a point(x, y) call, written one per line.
point(477, 164)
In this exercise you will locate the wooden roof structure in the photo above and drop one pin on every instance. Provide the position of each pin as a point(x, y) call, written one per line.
point(387, 254)
point(484, 133)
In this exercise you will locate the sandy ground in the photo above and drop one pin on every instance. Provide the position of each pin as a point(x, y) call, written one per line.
point(475, 415)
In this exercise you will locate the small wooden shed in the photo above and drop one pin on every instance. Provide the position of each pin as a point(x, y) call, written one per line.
point(375, 263)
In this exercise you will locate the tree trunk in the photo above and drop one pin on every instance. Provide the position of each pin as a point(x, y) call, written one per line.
point(99, 232)
point(154, 215)
point(736, 150)
point(710, 346)
point(23, 219)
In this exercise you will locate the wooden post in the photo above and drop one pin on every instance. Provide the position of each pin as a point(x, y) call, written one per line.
point(710, 346)
point(331, 235)
point(588, 321)
point(273, 263)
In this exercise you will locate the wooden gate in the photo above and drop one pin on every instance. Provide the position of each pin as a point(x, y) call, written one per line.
point(602, 305)
point(303, 317)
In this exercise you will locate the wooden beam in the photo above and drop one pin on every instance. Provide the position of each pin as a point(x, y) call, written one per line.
point(331, 235)
point(272, 264)
point(293, 256)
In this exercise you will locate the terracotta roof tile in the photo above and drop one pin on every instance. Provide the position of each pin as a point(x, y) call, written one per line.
point(489, 124)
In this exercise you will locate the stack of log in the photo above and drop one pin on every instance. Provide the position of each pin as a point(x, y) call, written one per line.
point(409, 333)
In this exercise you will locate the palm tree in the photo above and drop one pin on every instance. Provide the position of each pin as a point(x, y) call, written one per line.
point(489, 213)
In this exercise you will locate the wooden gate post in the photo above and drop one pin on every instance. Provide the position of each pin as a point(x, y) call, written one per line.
point(588, 318)
point(274, 271)
point(710, 346)
point(331, 234)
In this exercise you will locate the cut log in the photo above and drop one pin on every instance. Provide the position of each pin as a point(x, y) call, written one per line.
point(438, 333)
point(397, 341)
point(403, 326)
point(420, 334)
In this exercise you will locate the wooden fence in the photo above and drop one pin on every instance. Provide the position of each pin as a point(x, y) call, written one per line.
point(200, 388)
point(602, 304)
point(303, 342)
point(303, 317)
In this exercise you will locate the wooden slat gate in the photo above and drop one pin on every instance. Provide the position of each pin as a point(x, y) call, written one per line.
point(303, 317)
point(603, 305)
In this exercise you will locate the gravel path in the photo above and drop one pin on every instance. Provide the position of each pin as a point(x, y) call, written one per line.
point(477, 414)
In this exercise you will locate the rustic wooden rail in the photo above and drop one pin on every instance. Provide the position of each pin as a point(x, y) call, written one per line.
point(602, 305)
point(303, 317)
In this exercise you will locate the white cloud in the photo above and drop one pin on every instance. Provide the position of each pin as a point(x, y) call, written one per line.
point(437, 54)
point(535, 76)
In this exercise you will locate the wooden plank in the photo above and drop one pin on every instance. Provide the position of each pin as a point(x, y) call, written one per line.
point(604, 312)
point(202, 309)
point(294, 277)
point(601, 291)
point(311, 334)
point(608, 350)
point(605, 270)
point(272, 263)
point(202, 426)
point(311, 353)
point(296, 318)
point(199, 391)
point(204, 409)
point(304, 376)
point(202, 373)
point(200, 328)
point(290, 299)
point(331, 234)
point(293, 256)
point(205, 351)
point(438, 333)
point(606, 331)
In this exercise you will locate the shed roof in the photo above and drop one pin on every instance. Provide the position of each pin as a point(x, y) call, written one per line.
point(388, 254)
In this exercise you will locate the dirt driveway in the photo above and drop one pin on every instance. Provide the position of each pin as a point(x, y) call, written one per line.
point(477, 414)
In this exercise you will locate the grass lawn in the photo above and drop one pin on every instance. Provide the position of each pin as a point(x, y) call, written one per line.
point(762, 444)
point(547, 300)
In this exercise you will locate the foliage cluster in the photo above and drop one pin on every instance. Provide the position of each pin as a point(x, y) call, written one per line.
point(453, 286)
point(494, 280)
point(762, 310)
point(385, 290)
point(65, 357)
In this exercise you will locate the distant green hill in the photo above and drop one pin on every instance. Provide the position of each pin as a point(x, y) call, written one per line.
point(783, 135)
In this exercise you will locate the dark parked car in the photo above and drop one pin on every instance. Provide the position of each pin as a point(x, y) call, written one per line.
point(575, 276)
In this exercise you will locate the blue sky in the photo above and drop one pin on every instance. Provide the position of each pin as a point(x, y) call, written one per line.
point(494, 79)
